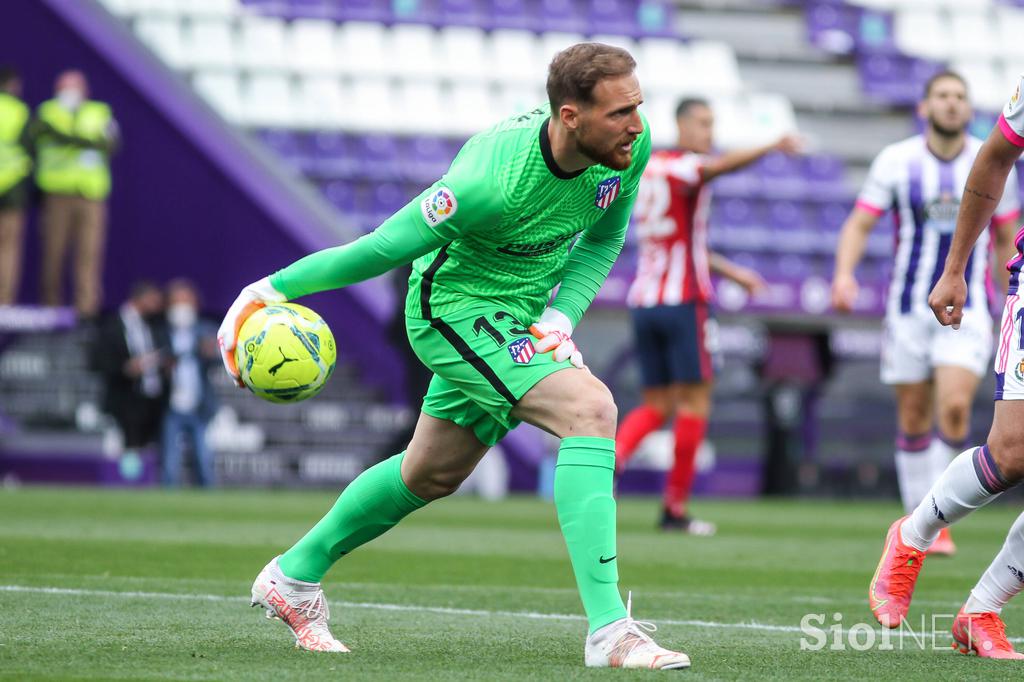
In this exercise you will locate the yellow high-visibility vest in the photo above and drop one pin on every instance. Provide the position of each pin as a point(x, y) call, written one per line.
point(15, 163)
point(67, 169)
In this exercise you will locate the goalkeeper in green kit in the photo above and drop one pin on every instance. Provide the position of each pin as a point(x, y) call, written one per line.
point(490, 241)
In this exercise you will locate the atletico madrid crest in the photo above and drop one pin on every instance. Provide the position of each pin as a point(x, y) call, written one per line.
point(522, 351)
point(607, 190)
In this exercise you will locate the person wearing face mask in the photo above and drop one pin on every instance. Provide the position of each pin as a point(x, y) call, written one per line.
point(130, 355)
point(193, 346)
point(15, 167)
point(74, 140)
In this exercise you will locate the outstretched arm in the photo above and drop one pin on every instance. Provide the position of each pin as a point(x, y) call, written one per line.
point(981, 196)
point(399, 240)
point(734, 160)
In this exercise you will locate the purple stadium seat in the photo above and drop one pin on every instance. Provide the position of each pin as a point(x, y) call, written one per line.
point(464, 13)
point(831, 215)
point(895, 79)
point(562, 15)
point(612, 16)
point(286, 144)
point(384, 199)
point(416, 11)
point(316, 9)
point(377, 157)
point(745, 183)
point(655, 18)
point(734, 212)
point(341, 194)
point(279, 8)
point(514, 14)
point(782, 177)
point(364, 10)
point(331, 156)
point(426, 158)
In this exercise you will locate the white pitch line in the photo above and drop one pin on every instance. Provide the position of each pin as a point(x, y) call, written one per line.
point(443, 610)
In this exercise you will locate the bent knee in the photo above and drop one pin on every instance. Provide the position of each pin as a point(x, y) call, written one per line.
point(1008, 454)
point(438, 485)
point(594, 414)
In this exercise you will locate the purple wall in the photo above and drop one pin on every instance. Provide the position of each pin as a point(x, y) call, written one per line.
point(190, 198)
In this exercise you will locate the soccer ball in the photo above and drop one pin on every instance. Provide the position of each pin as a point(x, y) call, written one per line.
point(285, 353)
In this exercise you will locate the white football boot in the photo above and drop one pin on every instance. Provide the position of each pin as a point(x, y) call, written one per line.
point(301, 605)
point(625, 644)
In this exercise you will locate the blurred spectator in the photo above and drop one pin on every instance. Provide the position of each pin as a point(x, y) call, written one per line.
point(75, 137)
point(193, 346)
point(130, 354)
point(15, 166)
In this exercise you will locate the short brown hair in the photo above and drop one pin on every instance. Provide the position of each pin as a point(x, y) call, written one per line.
point(941, 75)
point(576, 70)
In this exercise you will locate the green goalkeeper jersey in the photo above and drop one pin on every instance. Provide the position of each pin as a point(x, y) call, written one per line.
point(499, 228)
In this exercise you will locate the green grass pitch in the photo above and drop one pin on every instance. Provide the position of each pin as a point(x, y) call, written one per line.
point(109, 585)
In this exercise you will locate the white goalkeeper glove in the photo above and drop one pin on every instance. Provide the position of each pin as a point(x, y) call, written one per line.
point(253, 297)
point(554, 330)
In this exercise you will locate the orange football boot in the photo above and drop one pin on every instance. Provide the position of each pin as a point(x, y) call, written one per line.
point(983, 634)
point(894, 580)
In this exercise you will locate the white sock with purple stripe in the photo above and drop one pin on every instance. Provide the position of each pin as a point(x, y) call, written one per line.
point(913, 468)
point(972, 480)
point(1004, 577)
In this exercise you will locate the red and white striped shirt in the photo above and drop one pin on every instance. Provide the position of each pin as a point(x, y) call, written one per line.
point(671, 213)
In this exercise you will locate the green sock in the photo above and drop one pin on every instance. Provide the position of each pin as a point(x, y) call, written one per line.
point(369, 506)
point(586, 513)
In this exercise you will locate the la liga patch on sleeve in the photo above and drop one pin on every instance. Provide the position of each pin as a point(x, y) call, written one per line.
point(439, 206)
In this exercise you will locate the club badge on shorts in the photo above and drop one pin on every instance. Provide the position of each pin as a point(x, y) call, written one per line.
point(522, 351)
point(607, 190)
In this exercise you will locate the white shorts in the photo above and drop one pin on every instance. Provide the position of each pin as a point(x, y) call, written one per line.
point(1009, 364)
point(915, 343)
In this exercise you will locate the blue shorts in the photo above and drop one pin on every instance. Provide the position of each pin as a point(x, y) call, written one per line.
point(675, 344)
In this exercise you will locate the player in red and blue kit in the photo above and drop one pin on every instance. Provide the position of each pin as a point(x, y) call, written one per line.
point(669, 298)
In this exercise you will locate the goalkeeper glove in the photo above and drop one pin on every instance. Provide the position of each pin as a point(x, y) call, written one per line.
point(253, 297)
point(554, 331)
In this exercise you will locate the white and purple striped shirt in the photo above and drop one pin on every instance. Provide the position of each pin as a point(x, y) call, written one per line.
point(924, 193)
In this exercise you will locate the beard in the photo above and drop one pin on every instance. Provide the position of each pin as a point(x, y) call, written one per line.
point(608, 156)
point(945, 131)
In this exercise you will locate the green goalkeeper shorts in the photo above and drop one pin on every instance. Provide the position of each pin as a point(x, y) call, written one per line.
point(483, 362)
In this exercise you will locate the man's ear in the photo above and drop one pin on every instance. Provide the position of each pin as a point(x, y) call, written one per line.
point(569, 114)
point(922, 110)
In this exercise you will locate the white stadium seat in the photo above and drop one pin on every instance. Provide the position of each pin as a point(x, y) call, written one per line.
point(222, 92)
point(261, 44)
point(422, 106)
point(320, 103)
point(310, 48)
point(472, 108)
point(163, 35)
point(515, 55)
point(1009, 29)
point(662, 65)
point(989, 84)
point(268, 101)
point(464, 54)
point(210, 44)
point(207, 8)
point(923, 33)
point(371, 105)
point(362, 48)
point(413, 51)
point(713, 68)
point(518, 99)
point(554, 42)
point(974, 36)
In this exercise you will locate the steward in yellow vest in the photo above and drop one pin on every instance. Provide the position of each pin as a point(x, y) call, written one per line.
point(15, 167)
point(74, 139)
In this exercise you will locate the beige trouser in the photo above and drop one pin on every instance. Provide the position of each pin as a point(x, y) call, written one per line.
point(12, 227)
point(68, 219)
